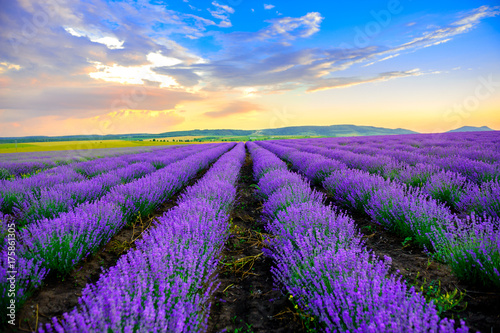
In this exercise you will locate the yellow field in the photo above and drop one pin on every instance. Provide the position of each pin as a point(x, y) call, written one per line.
point(76, 145)
point(177, 138)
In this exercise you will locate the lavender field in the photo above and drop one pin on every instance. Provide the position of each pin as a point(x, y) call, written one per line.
point(393, 233)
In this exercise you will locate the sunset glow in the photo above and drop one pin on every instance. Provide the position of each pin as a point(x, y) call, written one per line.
point(107, 67)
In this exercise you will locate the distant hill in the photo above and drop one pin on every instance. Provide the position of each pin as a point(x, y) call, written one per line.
point(334, 130)
point(471, 129)
point(331, 131)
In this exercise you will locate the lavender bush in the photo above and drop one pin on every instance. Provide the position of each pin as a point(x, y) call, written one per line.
point(321, 261)
point(165, 283)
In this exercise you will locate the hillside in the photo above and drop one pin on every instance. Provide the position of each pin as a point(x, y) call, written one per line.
point(331, 131)
point(471, 129)
point(334, 130)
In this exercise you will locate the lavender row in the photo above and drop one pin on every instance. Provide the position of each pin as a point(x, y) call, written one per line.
point(12, 193)
point(448, 187)
point(17, 165)
point(475, 146)
point(419, 155)
point(60, 155)
point(164, 285)
point(471, 246)
point(322, 263)
point(50, 202)
point(87, 168)
point(62, 243)
point(393, 164)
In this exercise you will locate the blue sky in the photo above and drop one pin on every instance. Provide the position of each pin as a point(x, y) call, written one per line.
point(102, 67)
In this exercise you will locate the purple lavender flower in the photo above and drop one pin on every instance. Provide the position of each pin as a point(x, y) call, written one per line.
point(62, 242)
point(472, 248)
point(447, 187)
point(165, 283)
point(484, 199)
point(274, 180)
point(321, 261)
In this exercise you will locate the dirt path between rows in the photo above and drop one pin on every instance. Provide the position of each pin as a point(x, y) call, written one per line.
point(59, 295)
point(247, 300)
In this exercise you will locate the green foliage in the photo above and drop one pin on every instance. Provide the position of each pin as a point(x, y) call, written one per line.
point(4, 174)
point(255, 186)
point(482, 253)
point(10, 200)
point(447, 193)
point(369, 228)
point(392, 174)
point(310, 322)
point(40, 210)
point(406, 242)
point(419, 180)
point(27, 175)
point(443, 301)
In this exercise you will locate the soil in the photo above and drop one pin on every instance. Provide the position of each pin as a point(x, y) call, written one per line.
point(247, 300)
point(60, 294)
point(480, 306)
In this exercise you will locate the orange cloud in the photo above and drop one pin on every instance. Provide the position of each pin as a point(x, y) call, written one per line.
point(236, 107)
point(116, 122)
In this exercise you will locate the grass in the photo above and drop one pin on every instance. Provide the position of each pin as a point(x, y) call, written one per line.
point(6, 148)
point(77, 145)
point(13, 145)
point(171, 138)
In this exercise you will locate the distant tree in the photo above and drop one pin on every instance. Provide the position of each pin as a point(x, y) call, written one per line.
point(154, 139)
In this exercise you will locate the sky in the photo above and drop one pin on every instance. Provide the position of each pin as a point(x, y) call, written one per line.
point(121, 66)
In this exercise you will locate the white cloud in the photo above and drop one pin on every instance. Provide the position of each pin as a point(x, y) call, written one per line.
point(383, 59)
point(292, 27)
point(97, 37)
point(345, 82)
point(140, 74)
point(157, 59)
point(224, 7)
point(435, 35)
point(442, 35)
point(222, 13)
point(130, 75)
point(6, 66)
point(269, 6)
